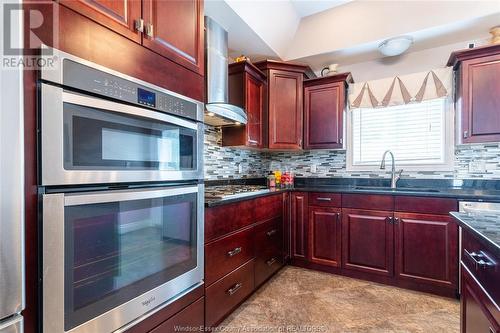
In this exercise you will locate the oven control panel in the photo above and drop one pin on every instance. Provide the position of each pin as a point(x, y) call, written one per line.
point(82, 77)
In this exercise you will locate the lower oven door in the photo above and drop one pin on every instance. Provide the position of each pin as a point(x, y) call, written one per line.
point(110, 257)
point(90, 140)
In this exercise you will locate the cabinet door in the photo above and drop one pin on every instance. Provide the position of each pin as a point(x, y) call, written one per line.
point(474, 315)
point(117, 15)
point(426, 249)
point(324, 113)
point(285, 109)
point(480, 84)
point(299, 225)
point(254, 109)
point(177, 31)
point(368, 241)
point(324, 236)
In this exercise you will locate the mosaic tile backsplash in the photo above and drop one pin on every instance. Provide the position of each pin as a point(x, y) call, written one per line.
point(223, 162)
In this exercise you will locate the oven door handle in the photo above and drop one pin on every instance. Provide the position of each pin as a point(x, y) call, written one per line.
point(125, 195)
point(104, 104)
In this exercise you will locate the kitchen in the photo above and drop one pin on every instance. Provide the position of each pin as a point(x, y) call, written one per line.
point(192, 165)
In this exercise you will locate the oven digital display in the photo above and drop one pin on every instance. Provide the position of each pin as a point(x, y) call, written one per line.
point(146, 97)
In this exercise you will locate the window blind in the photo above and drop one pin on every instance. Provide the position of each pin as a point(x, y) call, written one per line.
point(415, 133)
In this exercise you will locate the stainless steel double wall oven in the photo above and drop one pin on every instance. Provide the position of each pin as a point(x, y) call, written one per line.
point(121, 183)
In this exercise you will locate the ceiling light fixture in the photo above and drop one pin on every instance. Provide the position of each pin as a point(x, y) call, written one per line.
point(395, 46)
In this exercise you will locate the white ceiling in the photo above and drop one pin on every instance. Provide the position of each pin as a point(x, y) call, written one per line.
point(320, 32)
point(308, 7)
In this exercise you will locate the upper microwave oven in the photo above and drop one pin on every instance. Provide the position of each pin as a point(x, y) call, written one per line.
point(98, 126)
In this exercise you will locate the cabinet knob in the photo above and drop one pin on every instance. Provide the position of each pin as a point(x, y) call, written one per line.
point(139, 25)
point(271, 232)
point(234, 252)
point(235, 288)
point(480, 259)
point(271, 261)
point(149, 30)
point(466, 134)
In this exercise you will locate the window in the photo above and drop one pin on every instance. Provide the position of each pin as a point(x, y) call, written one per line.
point(420, 135)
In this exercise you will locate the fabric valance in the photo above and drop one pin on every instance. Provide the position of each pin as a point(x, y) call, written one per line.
point(402, 89)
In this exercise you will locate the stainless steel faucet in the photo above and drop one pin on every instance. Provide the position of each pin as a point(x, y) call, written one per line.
point(394, 178)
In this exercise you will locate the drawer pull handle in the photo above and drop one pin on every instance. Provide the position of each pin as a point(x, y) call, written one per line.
point(234, 252)
point(323, 199)
point(480, 259)
point(235, 288)
point(272, 232)
point(271, 261)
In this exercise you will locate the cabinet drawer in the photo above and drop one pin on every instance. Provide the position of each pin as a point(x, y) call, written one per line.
point(228, 253)
point(190, 318)
point(224, 219)
point(325, 199)
point(266, 264)
point(269, 236)
point(425, 205)
point(368, 201)
point(268, 249)
point(227, 293)
point(487, 273)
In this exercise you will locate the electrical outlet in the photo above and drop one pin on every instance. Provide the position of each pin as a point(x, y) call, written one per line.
point(240, 168)
point(314, 168)
point(477, 166)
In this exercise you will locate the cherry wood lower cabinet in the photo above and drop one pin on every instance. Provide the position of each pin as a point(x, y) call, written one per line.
point(426, 249)
point(244, 247)
point(298, 224)
point(382, 238)
point(480, 287)
point(368, 241)
point(269, 249)
point(227, 293)
point(474, 314)
point(325, 236)
point(188, 320)
point(228, 253)
point(188, 310)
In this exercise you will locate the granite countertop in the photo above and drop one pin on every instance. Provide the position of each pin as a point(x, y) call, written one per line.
point(481, 195)
point(476, 191)
point(484, 224)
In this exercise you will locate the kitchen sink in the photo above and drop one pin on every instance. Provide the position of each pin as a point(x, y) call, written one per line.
point(398, 189)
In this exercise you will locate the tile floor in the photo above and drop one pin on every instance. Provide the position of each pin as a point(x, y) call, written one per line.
point(300, 300)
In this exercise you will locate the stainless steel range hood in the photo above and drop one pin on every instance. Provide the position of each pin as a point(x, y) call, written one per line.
point(218, 112)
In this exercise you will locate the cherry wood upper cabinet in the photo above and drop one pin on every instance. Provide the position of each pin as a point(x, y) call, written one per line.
point(368, 241)
point(477, 97)
point(171, 28)
point(325, 236)
point(247, 85)
point(324, 104)
point(175, 29)
point(118, 15)
point(284, 103)
point(426, 249)
point(298, 218)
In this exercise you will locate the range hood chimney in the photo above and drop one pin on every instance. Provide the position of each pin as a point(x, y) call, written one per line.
point(218, 112)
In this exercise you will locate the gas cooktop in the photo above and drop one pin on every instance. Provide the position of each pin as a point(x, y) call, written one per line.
point(232, 191)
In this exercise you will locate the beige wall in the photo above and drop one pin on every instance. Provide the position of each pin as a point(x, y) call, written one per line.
point(412, 62)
